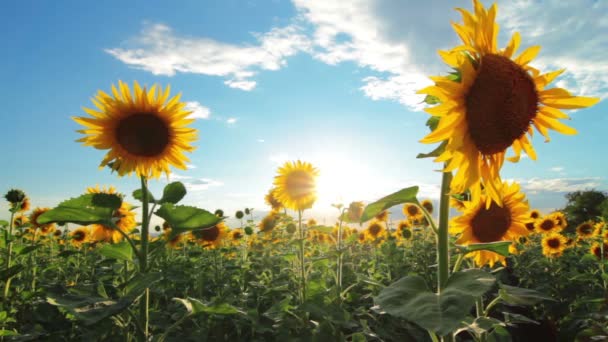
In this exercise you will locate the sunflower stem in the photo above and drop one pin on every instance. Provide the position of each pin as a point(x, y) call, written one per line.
point(8, 237)
point(143, 259)
point(302, 266)
point(443, 246)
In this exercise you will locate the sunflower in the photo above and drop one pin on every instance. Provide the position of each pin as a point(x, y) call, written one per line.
point(413, 212)
point(20, 220)
point(355, 210)
point(268, 223)
point(44, 228)
point(547, 225)
point(311, 222)
point(272, 201)
point(404, 224)
point(530, 225)
point(80, 235)
point(210, 237)
point(174, 242)
point(295, 185)
point(382, 216)
point(375, 230)
point(481, 224)
point(123, 216)
point(25, 205)
point(15, 197)
point(361, 237)
point(143, 132)
point(554, 244)
point(560, 218)
point(427, 205)
point(236, 235)
point(456, 203)
point(596, 249)
point(491, 103)
point(534, 214)
point(586, 230)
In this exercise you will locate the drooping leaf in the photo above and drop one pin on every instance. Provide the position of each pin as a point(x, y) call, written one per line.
point(410, 298)
point(173, 193)
point(139, 195)
point(500, 247)
point(185, 218)
point(407, 195)
point(195, 307)
point(86, 209)
point(434, 153)
point(518, 296)
point(10, 272)
point(118, 251)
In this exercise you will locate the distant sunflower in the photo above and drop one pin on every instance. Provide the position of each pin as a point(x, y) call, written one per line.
point(25, 205)
point(236, 235)
point(560, 218)
point(272, 201)
point(530, 226)
point(534, 214)
point(355, 210)
point(493, 103)
point(382, 216)
point(427, 205)
point(413, 212)
point(481, 224)
point(586, 230)
point(44, 228)
point(79, 236)
point(546, 225)
point(375, 230)
point(296, 185)
point(175, 241)
point(143, 132)
point(596, 249)
point(404, 224)
point(554, 244)
point(123, 216)
point(361, 237)
point(268, 223)
point(20, 220)
point(311, 222)
point(210, 237)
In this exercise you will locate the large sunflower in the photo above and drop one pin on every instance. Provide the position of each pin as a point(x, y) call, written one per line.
point(491, 104)
point(296, 185)
point(481, 224)
point(143, 132)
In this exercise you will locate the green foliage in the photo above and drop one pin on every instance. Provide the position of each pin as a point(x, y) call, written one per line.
point(173, 193)
point(185, 218)
point(407, 195)
point(519, 296)
point(118, 251)
point(85, 209)
point(584, 205)
point(500, 247)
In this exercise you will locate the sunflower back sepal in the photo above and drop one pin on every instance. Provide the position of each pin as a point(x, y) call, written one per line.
point(406, 195)
point(183, 218)
point(500, 247)
point(85, 209)
point(411, 299)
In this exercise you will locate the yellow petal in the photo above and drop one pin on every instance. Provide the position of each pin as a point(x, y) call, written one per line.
point(528, 55)
point(512, 46)
point(573, 102)
point(555, 125)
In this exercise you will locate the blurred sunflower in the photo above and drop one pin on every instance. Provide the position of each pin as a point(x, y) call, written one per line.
point(25, 205)
point(143, 132)
point(79, 236)
point(546, 225)
point(173, 242)
point(586, 230)
point(361, 237)
point(560, 219)
point(311, 222)
point(554, 244)
point(15, 197)
point(272, 201)
point(404, 224)
point(481, 224)
point(355, 210)
point(20, 220)
point(375, 230)
point(413, 212)
point(534, 214)
point(296, 185)
point(268, 223)
point(382, 216)
point(492, 104)
point(123, 216)
point(596, 249)
point(44, 228)
point(236, 235)
point(427, 205)
point(212, 237)
point(530, 225)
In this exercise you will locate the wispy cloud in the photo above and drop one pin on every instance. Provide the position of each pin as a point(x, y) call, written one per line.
point(198, 111)
point(231, 121)
point(561, 185)
point(260, 140)
point(557, 169)
point(194, 183)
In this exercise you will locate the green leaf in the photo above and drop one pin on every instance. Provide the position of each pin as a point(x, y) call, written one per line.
point(136, 285)
point(184, 218)
point(410, 298)
point(430, 99)
point(322, 229)
point(434, 153)
point(28, 249)
point(407, 195)
point(8, 333)
point(86, 209)
point(195, 307)
point(432, 122)
point(500, 247)
point(10, 272)
point(519, 296)
point(138, 195)
point(3, 223)
point(173, 193)
point(118, 251)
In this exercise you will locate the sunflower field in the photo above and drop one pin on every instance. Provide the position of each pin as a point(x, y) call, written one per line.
point(480, 264)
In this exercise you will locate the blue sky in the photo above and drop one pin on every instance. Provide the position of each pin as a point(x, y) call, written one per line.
point(329, 82)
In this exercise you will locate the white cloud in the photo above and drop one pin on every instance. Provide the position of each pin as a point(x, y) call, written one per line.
point(159, 50)
point(260, 140)
point(536, 185)
point(231, 121)
point(191, 166)
point(557, 169)
point(194, 183)
point(198, 111)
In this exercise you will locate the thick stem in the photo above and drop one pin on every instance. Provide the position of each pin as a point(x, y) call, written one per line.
point(143, 258)
point(9, 258)
point(443, 243)
point(340, 256)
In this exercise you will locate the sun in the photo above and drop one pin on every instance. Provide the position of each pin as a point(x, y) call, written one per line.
point(342, 181)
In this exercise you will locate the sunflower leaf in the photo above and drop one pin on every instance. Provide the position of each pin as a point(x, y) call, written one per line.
point(3, 223)
point(138, 195)
point(500, 247)
point(173, 193)
point(430, 99)
point(434, 153)
point(118, 251)
point(183, 218)
point(85, 209)
point(432, 122)
point(10, 272)
point(322, 229)
point(518, 296)
point(195, 307)
point(411, 299)
point(407, 195)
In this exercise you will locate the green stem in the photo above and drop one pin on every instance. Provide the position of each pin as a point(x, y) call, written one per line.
point(9, 258)
point(302, 266)
point(493, 303)
point(143, 259)
point(340, 256)
point(443, 243)
point(458, 263)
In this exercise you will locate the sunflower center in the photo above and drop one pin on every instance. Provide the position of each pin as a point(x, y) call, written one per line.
point(547, 225)
point(586, 229)
point(210, 234)
point(143, 135)
point(491, 224)
point(79, 236)
point(375, 229)
point(553, 243)
point(412, 210)
point(300, 184)
point(500, 104)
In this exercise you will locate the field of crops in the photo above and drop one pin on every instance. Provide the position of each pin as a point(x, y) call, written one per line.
point(480, 263)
